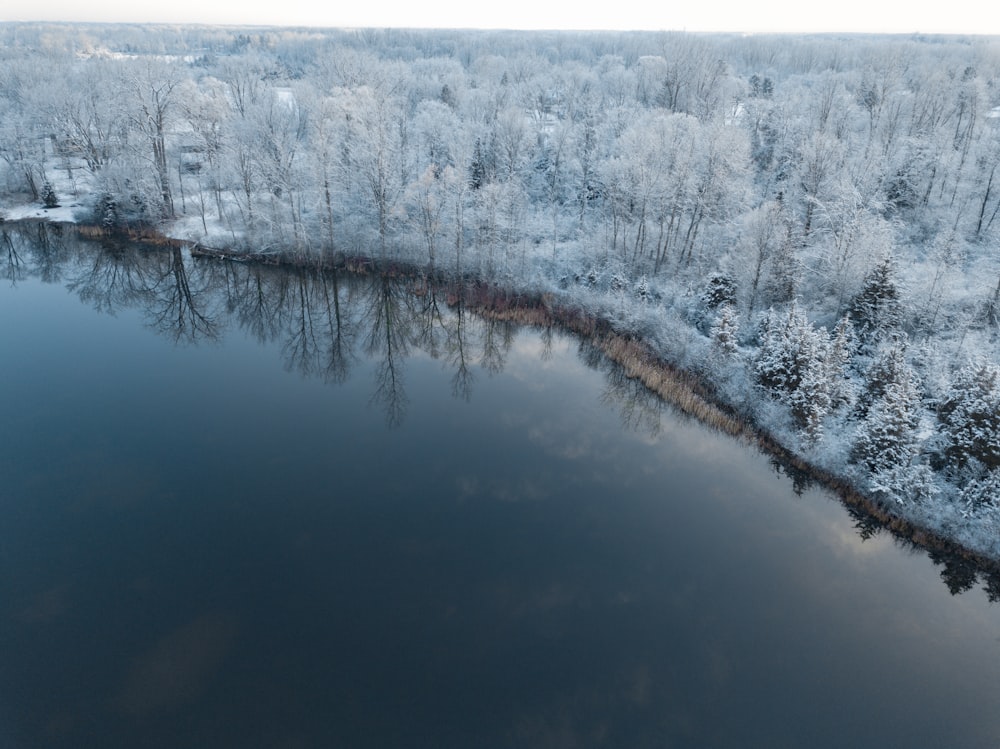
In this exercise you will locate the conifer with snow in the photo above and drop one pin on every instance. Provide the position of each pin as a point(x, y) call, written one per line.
point(890, 366)
point(982, 493)
point(837, 364)
point(887, 438)
point(969, 416)
point(725, 331)
point(877, 309)
point(792, 363)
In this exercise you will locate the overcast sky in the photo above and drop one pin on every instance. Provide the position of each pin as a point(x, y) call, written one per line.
point(953, 16)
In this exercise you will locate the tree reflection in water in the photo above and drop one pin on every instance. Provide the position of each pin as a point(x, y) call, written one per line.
point(463, 379)
point(182, 302)
point(113, 279)
point(177, 300)
point(389, 320)
point(33, 249)
point(13, 264)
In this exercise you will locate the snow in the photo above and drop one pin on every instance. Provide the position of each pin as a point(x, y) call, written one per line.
point(26, 211)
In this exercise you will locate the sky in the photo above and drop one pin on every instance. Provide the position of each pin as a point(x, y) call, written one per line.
point(892, 16)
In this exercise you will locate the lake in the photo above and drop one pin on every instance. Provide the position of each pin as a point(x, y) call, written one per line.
point(246, 506)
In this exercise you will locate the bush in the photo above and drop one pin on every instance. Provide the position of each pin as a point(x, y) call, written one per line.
point(49, 197)
point(106, 212)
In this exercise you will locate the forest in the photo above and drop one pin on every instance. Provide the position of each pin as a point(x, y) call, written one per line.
point(809, 223)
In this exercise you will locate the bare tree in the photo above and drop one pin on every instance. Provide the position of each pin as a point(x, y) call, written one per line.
point(148, 87)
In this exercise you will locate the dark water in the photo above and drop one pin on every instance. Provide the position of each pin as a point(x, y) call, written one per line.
point(259, 508)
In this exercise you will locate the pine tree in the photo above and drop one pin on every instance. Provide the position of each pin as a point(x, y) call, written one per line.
point(887, 438)
point(909, 483)
point(982, 493)
point(811, 401)
point(482, 170)
point(889, 367)
point(720, 290)
point(788, 347)
point(793, 364)
point(448, 97)
point(783, 278)
point(876, 309)
point(642, 292)
point(106, 212)
point(724, 332)
point(969, 416)
point(838, 361)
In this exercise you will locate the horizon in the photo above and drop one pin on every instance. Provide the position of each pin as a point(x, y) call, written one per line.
point(965, 17)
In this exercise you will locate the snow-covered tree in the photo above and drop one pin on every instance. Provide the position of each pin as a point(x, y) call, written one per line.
point(725, 331)
point(426, 200)
point(49, 197)
point(969, 416)
point(792, 363)
point(374, 149)
point(788, 347)
point(876, 310)
point(148, 89)
point(838, 362)
point(903, 484)
point(982, 493)
point(888, 438)
point(888, 368)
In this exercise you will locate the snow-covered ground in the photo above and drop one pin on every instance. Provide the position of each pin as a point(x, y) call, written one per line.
point(24, 211)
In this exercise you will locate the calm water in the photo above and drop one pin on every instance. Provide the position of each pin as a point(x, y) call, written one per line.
point(258, 508)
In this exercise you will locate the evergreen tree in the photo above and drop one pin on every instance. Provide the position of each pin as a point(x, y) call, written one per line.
point(889, 368)
point(811, 402)
point(448, 96)
point(482, 170)
point(106, 212)
point(983, 493)
point(793, 364)
point(909, 483)
point(887, 438)
point(782, 279)
point(838, 361)
point(49, 198)
point(720, 290)
point(788, 347)
point(642, 291)
point(876, 309)
point(725, 331)
point(969, 416)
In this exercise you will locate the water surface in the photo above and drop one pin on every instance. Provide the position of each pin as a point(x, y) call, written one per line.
point(250, 507)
